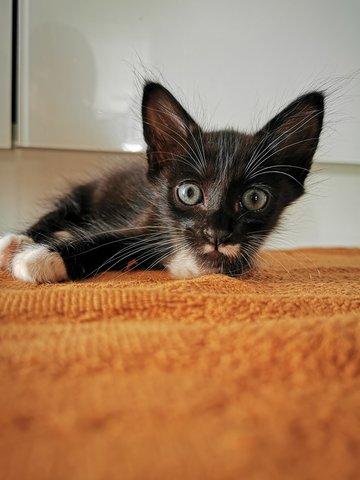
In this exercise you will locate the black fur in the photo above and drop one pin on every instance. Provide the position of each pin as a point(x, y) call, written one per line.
point(136, 213)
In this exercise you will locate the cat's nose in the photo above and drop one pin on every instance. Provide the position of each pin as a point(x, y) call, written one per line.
point(216, 237)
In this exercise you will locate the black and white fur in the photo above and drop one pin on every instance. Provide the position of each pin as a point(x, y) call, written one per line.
point(135, 217)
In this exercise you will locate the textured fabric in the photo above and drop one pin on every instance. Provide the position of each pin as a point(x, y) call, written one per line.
point(139, 376)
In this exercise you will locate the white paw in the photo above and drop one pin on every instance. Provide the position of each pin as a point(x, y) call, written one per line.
point(30, 261)
point(9, 245)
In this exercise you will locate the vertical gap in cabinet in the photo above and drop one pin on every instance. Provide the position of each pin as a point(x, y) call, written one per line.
point(14, 73)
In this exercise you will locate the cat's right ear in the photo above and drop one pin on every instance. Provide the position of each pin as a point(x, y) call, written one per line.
point(168, 128)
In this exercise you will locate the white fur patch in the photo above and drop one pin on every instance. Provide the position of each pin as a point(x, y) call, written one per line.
point(63, 235)
point(30, 261)
point(9, 245)
point(230, 250)
point(208, 248)
point(183, 265)
point(37, 264)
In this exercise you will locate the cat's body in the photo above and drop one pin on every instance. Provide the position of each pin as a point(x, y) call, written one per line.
point(204, 203)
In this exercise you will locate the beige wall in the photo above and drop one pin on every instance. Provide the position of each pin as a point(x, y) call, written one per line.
point(327, 215)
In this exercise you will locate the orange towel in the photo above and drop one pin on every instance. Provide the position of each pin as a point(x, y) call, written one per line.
point(138, 376)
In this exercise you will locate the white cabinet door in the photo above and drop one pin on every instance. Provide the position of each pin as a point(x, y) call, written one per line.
point(234, 62)
point(5, 73)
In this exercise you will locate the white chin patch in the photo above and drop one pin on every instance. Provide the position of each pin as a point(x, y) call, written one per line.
point(183, 264)
point(29, 261)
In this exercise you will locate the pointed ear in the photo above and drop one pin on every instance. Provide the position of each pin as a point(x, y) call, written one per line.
point(290, 139)
point(168, 128)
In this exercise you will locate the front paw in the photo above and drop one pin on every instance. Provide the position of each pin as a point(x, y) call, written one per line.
point(9, 245)
point(29, 261)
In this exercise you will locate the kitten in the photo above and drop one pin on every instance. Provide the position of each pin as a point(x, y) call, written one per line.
point(204, 203)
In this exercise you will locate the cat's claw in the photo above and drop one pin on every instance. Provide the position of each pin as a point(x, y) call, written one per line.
point(29, 261)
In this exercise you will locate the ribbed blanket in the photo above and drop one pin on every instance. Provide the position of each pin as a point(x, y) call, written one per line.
point(138, 376)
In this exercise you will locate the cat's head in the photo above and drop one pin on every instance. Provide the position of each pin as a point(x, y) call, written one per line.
point(222, 192)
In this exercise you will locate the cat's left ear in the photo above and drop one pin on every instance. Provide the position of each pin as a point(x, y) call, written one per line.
point(290, 139)
point(168, 129)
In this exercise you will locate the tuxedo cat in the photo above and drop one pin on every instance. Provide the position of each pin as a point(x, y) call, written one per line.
point(204, 201)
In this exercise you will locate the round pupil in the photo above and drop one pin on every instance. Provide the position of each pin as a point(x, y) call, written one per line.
point(254, 197)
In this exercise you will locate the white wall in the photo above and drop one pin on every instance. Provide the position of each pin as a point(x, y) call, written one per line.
point(5, 73)
point(326, 216)
point(233, 62)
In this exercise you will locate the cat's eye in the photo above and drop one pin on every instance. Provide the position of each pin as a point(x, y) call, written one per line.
point(254, 199)
point(189, 193)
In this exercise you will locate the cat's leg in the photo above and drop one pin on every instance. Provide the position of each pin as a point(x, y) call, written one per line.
point(99, 253)
point(90, 256)
point(61, 259)
point(31, 256)
point(67, 244)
